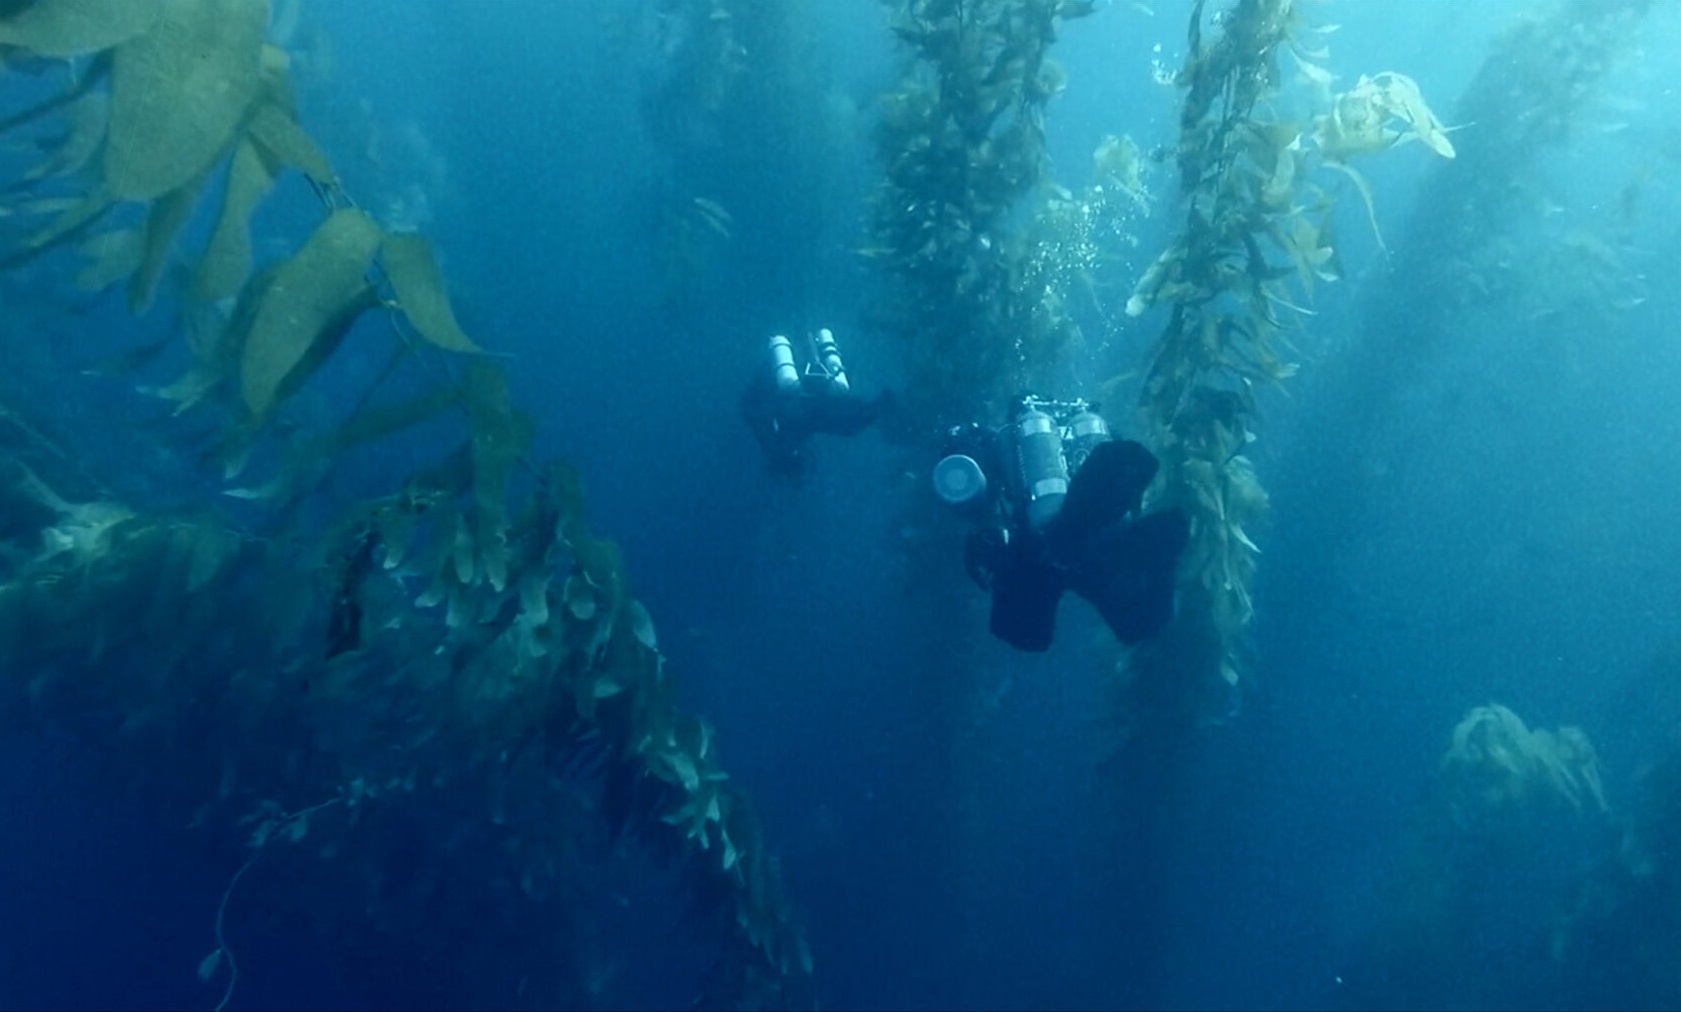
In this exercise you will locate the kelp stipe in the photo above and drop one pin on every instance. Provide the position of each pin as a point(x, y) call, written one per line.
point(1256, 219)
point(962, 139)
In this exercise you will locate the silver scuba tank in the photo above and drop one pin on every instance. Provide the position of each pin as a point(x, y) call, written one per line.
point(1085, 431)
point(828, 357)
point(782, 361)
point(1036, 444)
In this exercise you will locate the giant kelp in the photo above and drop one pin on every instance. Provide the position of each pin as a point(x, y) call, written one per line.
point(1497, 765)
point(962, 138)
point(1489, 238)
point(965, 231)
point(1255, 240)
point(1537, 84)
point(432, 666)
point(1513, 816)
point(732, 96)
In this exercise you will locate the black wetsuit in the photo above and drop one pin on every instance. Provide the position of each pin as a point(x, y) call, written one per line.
point(783, 421)
point(1098, 545)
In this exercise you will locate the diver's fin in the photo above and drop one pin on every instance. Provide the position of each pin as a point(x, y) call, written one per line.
point(1024, 600)
point(1108, 486)
point(1129, 574)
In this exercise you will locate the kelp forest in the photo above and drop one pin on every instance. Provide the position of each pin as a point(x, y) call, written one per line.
point(296, 557)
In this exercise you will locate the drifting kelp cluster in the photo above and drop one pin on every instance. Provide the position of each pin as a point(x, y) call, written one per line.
point(1497, 766)
point(963, 141)
point(1487, 232)
point(427, 681)
point(1255, 241)
point(1514, 818)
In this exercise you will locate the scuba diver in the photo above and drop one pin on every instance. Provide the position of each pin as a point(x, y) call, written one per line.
point(785, 406)
point(1057, 503)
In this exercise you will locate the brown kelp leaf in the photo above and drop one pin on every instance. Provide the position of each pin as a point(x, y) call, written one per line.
point(500, 438)
point(580, 598)
point(1406, 102)
point(534, 598)
point(331, 336)
point(165, 219)
point(76, 27)
point(213, 341)
point(69, 225)
point(283, 140)
point(212, 548)
point(179, 93)
point(112, 255)
point(379, 421)
point(395, 526)
point(227, 259)
point(45, 205)
point(642, 624)
point(87, 80)
point(306, 306)
point(1365, 197)
point(189, 391)
point(84, 129)
point(408, 262)
point(461, 551)
point(132, 360)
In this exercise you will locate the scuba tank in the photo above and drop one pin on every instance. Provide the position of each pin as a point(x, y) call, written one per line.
point(828, 358)
point(1086, 430)
point(1035, 442)
point(782, 361)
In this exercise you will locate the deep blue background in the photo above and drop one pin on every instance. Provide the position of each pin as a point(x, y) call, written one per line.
point(1513, 536)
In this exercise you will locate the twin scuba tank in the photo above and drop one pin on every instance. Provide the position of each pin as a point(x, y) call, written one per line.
point(1040, 450)
point(828, 364)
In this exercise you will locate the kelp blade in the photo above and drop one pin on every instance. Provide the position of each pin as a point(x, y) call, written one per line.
point(303, 301)
point(64, 28)
point(179, 92)
point(408, 262)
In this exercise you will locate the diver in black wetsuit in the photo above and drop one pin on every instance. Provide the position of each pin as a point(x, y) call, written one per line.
point(785, 407)
point(1057, 503)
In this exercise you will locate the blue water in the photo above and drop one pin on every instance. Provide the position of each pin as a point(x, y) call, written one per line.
point(1510, 537)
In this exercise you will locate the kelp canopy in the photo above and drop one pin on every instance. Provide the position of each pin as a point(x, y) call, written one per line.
point(453, 678)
